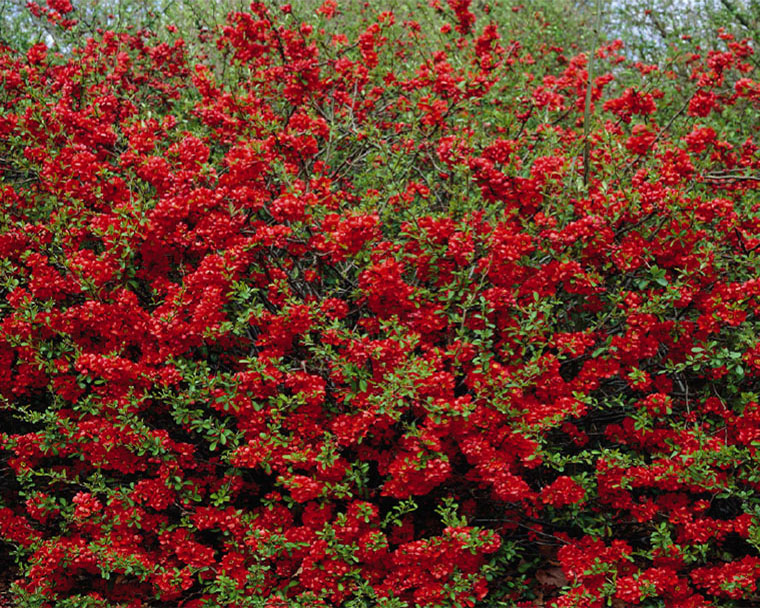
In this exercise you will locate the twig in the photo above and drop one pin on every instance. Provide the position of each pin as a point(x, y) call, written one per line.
point(589, 85)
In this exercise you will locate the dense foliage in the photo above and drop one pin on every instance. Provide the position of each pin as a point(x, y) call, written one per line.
point(375, 311)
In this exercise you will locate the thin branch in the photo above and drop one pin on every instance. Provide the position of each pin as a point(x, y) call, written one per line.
point(589, 86)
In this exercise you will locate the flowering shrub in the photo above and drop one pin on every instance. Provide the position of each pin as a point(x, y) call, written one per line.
point(350, 319)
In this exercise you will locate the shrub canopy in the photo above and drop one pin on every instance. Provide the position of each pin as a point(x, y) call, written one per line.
point(360, 310)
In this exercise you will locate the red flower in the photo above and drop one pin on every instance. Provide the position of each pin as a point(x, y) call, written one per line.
point(563, 491)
